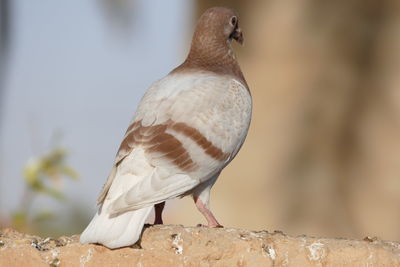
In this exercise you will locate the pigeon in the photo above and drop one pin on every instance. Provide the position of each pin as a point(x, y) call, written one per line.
point(188, 126)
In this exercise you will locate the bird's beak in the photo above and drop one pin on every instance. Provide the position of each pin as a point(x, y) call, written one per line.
point(238, 35)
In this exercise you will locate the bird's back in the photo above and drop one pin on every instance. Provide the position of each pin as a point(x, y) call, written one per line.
point(186, 125)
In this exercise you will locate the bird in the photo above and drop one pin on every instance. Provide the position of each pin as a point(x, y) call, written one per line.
point(187, 128)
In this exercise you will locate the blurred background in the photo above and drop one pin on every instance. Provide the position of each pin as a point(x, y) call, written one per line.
point(323, 153)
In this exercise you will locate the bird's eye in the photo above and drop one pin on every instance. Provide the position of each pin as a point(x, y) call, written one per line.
point(233, 21)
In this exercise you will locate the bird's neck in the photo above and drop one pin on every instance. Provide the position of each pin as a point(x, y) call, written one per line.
point(212, 55)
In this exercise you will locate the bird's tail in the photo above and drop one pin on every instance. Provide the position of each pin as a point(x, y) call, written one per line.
point(116, 230)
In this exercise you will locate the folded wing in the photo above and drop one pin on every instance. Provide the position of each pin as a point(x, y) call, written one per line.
point(186, 129)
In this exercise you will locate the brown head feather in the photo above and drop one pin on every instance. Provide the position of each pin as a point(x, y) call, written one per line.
point(211, 44)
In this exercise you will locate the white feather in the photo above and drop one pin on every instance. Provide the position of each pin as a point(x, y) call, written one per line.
point(122, 229)
point(218, 106)
point(118, 231)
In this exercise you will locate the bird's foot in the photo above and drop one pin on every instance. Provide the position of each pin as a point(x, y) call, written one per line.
point(211, 220)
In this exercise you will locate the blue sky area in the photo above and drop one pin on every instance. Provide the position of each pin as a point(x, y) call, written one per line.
point(72, 71)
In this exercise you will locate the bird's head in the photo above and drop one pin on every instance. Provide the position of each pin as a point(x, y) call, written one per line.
point(211, 48)
point(218, 24)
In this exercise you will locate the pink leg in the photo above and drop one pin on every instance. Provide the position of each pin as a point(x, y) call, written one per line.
point(211, 220)
point(159, 209)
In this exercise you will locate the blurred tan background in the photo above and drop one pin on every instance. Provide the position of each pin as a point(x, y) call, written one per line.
point(323, 153)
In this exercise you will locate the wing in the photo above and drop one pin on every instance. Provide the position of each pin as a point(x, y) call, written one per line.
point(189, 128)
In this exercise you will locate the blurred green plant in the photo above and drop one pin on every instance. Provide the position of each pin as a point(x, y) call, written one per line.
point(43, 175)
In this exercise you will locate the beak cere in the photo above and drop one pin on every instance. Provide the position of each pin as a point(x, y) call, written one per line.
point(238, 35)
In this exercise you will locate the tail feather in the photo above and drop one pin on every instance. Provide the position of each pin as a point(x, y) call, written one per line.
point(117, 230)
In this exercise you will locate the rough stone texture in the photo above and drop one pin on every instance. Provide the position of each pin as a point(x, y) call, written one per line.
point(196, 246)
